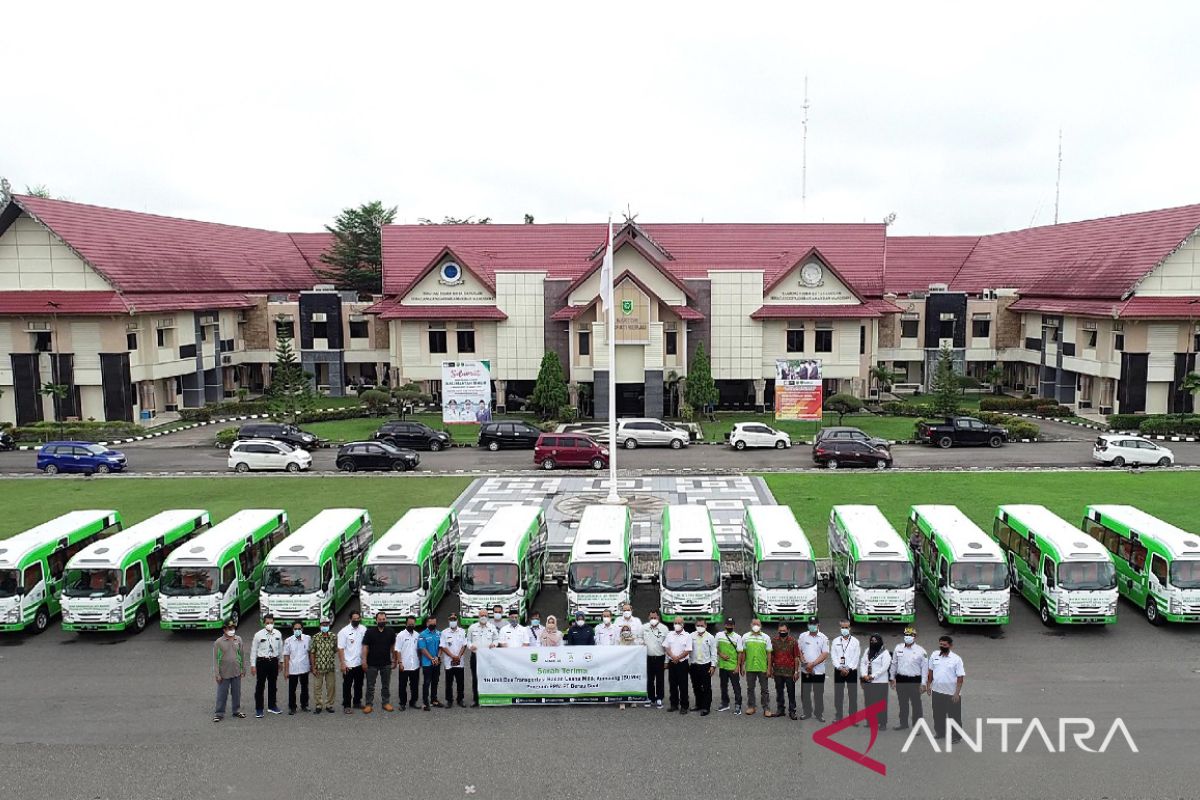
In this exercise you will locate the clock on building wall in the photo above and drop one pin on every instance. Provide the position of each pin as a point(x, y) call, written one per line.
point(811, 274)
point(451, 274)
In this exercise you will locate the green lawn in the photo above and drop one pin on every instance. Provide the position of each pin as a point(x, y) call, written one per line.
point(29, 502)
point(1169, 495)
point(885, 427)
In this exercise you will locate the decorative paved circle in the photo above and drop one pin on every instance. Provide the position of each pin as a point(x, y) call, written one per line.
point(640, 505)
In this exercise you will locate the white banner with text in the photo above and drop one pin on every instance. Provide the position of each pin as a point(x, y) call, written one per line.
point(542, 675)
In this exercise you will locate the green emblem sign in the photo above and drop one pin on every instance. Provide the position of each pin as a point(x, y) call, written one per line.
point(627, 307)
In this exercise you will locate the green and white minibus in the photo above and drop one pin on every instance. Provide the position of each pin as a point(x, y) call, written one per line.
point(215, 579)
point(599, 572)
point(408, 570)
point(961, 568)
point(504, 564)
point(312, 573)
point(1158, 565)
point(32, 564)
point(112, 584)
point(779, 563)
point(690, 585)
point(1067, 575)
point(872, 566)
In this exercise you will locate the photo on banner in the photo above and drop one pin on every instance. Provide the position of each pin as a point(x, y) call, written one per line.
point(798, 392)
point(466, 392)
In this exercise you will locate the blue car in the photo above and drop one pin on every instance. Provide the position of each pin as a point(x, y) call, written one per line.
point(87, 457)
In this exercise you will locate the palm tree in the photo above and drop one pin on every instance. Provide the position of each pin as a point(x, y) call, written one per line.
point(995, 376)
point(882, 377)
point(1190, 384)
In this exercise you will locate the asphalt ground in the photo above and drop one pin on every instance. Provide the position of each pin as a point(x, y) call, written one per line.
point(129, 716)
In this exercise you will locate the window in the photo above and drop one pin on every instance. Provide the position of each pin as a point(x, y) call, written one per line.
point(41, 342)
point(862, 339)
point(981, 326)
point(824, 341)
point(33, 576)
point(204, 333)
point(133, 575)
point(550, 441)
point(1118, 341)
point(909, 326)
point(670, 339)
point(229, 573)
point(1048, 571)
point(131, 342)
point(1158, 568)
point(437, 337)
point(163, 338)
point(585, 343)
point(320, 330)
point(1137, 556)
point(465, 337)
point(285, 328)
point(358, 329)
point(1004, 534)
point(155, 560)
point(1089, 339)
point(795, 338)
point(946, 326)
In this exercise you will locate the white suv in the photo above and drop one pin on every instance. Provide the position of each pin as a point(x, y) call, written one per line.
point(248, 454)
point(756, 434)
point(634, 433)
point(1120, 449)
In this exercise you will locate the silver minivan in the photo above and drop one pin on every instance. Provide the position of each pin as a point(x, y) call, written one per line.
point(641, 432)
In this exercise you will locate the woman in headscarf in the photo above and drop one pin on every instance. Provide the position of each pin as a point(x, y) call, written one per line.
point(550, 636)
point(874, 671)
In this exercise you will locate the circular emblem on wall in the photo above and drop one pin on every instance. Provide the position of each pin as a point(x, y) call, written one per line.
point(811, 274)
point(451, 273)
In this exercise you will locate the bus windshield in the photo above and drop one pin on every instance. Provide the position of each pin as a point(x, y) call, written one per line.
point(883, 574)
point(92, 583)
point(1185, 574)
point(291, 580)
point(490, 578)
point(791, 574)
point(597, 576)
point(1087, 575)
point(391, 578)
point(691, 576)
point(8, 582)
point(979, 576)
point(189, 580)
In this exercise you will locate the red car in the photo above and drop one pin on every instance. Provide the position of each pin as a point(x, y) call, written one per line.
point(569, 450)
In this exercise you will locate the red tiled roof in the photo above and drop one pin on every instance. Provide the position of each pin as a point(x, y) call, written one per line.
point(312, 246)
point(568, 313)
point(914, 262)
point(1061, 305)
point(1133, 308)
point(390, 309)
point(150, 253)
point(1160, 307)
point(685, 312)
point(157, 301)
point(868, 309)
point(37, 303)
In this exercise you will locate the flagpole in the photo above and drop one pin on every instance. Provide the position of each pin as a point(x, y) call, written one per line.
point(606, 291)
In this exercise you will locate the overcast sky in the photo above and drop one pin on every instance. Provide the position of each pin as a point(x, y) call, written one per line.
point(279, 114)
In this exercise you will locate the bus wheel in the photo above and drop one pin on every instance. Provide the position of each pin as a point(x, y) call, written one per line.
point(41, 619)
point(1044, 613)
point(139, 620)
point(941, 616)
point(1153, 615)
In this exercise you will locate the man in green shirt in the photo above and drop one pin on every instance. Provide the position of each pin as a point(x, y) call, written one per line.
point(322, 654)
point(756, 653)
point(229, 667)
point(729, 664)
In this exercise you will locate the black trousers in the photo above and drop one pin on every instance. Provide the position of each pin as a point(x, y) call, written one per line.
point(655, 676)
point(841, 685)
point(300, 680)
point(677, 677)
point(412, 677)
point(352, 683)
point(454, 675)
point(702, 686)
point(944, 707)
point(266, 675)
point(730, 676)
point(429, 685)
point(812, 694)
point(872, 694)
point(474, 679)
point(785, 683)
point(908, 696)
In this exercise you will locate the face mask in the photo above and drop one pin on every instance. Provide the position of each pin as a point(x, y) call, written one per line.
point(783, 634)
point(325, 629)
point(909, 639)
point(537, 623)
point(270, 626)
point(453, 624)
point(512, 621)
point(354, 623)
point(700, 629)
point(297, 633)
point(579, 623)
point(380, 625)
point(812, 628)
point(729, 629)
point(607, 620)
point(231, 633)
point(410, 627)
point(627, 614)
point(430, 626)
point(653, 622)
point(678, 626)
point(756, 628)
point(496, 615)
point(845, 631)
point(945, 650)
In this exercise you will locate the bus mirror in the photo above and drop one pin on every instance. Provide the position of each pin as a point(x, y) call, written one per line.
point(223, 588)
point(653, 580)
point(18, 590)
point(426, 584)
point(123, 590)
point(846, 579)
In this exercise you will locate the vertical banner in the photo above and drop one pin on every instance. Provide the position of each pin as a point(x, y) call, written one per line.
point(798, 393)
point(466, 392)
point(544, 675)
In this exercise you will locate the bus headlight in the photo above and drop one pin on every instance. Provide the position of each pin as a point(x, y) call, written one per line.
point(214, 611)
point(12, 614)
point(114, 615)
point(366, 607)
point(313, 610)
point(1175, 606)
point(1062, 607)
point(1112, 607)
point(910, 606)
point(955, 608)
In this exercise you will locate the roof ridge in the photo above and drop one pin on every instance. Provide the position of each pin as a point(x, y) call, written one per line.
point(24, 197)
point(1106, 218)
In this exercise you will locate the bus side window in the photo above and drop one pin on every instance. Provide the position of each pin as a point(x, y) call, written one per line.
point(1048, 571)
point(32, 576)
point(229, 573)
point(154, 560)
point(133, 575)
point(1034, 557)
point(1124, 550)
point(944, 572)
point(1004, 534)
point(1021, 548)
point(246, 561)
point(1158, 568)
point(1137, 554)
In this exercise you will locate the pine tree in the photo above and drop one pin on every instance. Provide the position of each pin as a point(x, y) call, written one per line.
point(355, 259)
point(550, 392)
point(944, 393)
point(700, 391)
point(291, 393)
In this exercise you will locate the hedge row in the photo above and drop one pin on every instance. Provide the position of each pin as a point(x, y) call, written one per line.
point(79, 431)
point(1035, 405)
point(218, 410)
point(1157, 424)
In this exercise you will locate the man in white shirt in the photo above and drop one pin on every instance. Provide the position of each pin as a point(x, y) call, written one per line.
point(407, 662)
point(908, 677)
point(296, 666)
point(350, 641)
point(814, 656)
point(534, 627)
point(627, 618)
point(653, 635)
point(678, 647)
point(514, 634)
point(607, 633)
point(265, 652)
point(944, 677)
point(482, 635)
point(454, 647)
point(703, 661)
point(844, 654)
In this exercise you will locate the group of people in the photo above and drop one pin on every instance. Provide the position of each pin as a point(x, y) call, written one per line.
point(366, 657)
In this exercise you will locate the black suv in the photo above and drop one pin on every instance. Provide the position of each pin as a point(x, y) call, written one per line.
point(375, 455)
point(416, 435)
point(494, 435)
point(280, 432)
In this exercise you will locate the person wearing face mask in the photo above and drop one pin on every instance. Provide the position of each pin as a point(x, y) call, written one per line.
point(378, 645)
point(266, 649)
point(535, 628)
point(844, 653)
point(731, 662)
point(429, 646)
point(756, 658)
point(627, 618)
point(482, 635)
point(678, 647)
point(514, 634)
point(581, 634)
point(323, 655)
point(407, 662)
point(814, 654)
point(606, 632)
point(350, 642)
point(875, 670)
point(229, 667)
point(550, 636)
point(785, 664)
point(944, 676)
point(453, 647)
point(296, 666)
point(653, 635)
point(908, 677)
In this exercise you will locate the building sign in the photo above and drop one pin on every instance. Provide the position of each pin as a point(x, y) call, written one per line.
point(466, 392)
point(450, 284)
point(811, 284)
point(798, 393)
point(541, 675)
point(633, 314)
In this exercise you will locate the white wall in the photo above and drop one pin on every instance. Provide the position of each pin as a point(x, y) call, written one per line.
point(431, 291)
point(736, 339)
point(1179, 274)
point(792, 291)
point(32, 258)
point(626, 258)
point(521, 339)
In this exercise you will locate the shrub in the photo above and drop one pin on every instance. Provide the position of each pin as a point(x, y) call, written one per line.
point(1173, 425)
point(81, 431)
point(843, 404)
point(568, 413)
point(548, 426)
point(322, 415)
point(1040, 406)
point(1021, 428)
point(900, 409)
point(686, 412)
point(227, 436)
point(1126, 422)
point(374, 400)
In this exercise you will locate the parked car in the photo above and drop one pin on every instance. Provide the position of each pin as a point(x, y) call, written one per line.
point(280, 432)
point(85, 457)
point(756, 434)
point(495, 435)
point(6, 441)
point(254, 454)
point(961, 430)
point(415, 435)
point(1120, 449)
point(376, 455)
point(569, 450)
point(841, 433)
point(634, 433)
point(838, 453)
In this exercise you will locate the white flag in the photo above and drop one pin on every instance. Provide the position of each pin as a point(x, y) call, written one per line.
point(606, 273)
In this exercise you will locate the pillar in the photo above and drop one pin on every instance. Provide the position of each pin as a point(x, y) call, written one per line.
point(652, 396)
point(600, 394)
point(501, 397)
